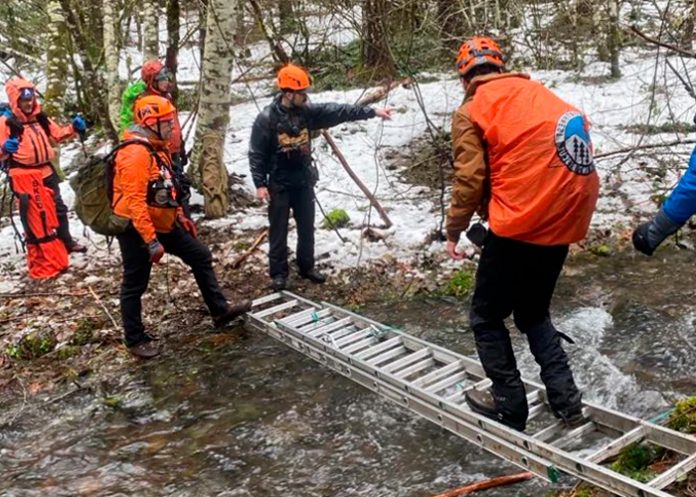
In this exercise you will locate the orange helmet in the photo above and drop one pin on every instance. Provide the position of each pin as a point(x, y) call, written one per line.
point(292, 77)
point(152, 109)
point(477, 51)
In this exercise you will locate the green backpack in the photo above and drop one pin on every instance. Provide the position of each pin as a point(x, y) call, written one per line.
point(94, 187)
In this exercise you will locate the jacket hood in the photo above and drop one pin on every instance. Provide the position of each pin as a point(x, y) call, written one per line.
point(13, 88)
point(140, 133)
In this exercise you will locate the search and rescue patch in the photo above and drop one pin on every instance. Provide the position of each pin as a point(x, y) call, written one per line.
point(573, 143)
point(294, 143)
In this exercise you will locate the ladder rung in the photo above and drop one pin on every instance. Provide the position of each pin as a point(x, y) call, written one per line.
point(574, 434)
point(360, 345)
point(416, 356)
point(450, 368)
point(304, 317)
point(275, 309)
point(344, 332)
point(358, 335)
point(549, 432)
point(388, 355)
point(535, 410)
point(335, 326)
point(671, 475)
point(615, 447)
point(414, 368)
point(266, 299)
point(379, 348)
point(534, 395)
point(447, 382)
point(313, 325)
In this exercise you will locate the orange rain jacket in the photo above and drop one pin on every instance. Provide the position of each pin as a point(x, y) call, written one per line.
point(522, 157)
point(134, 169)
point(35, 146)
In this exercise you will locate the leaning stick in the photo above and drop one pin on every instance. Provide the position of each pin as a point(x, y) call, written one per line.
point(486, 484)
point(239, 260)
point(106, 311)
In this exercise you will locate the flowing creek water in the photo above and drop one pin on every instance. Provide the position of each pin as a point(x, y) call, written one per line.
point(254, 418)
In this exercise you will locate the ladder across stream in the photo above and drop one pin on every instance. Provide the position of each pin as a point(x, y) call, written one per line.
point(431, 381)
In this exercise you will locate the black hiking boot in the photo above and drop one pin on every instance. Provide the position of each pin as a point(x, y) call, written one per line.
point(232, 313)
point(279, 283)
point(314, 276)
point(572, 418)
point(77, 248)
point(483, 403)
point(145, 350)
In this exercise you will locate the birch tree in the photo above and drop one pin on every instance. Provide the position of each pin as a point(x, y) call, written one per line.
point(208, 167)
point(56, 60)
point(150, 29)
point(113, 86)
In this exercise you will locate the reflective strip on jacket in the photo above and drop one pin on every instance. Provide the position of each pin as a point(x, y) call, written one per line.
point(538, 154)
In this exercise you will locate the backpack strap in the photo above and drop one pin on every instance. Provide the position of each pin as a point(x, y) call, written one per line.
point(43, 121)
point(111, 156)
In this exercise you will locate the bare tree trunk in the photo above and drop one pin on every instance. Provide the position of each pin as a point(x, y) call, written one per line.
point(285, 15)
point(202, 16)
point(614, 38)
point(151, 29)
point(376, 53)
point(111, 50)
point(214, 108)
point(173, 25)
point(57, 61)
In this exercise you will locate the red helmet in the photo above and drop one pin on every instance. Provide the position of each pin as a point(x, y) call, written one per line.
point(292, 77)
point(477, 51)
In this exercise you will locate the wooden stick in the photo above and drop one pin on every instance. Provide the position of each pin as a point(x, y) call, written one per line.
point(486, 484)
point(381, 92)
point(375, 203)
point(39, 294)
point(106, 311)
point(644, 147)
point(659, 43)
point(239, 260)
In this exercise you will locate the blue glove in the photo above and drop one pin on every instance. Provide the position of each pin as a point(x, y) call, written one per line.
point(79, 124)
point(11, 145)
point(5, 111)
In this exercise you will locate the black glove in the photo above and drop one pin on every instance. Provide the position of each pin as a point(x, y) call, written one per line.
point(648, 236)
point(155, 250)
point(477, 234)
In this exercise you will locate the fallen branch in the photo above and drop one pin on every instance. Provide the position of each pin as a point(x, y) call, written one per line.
point(373, 200)
point(39, 294)
point(381, 92)
point(106, 311)
point(662, 44)
point(486, 484)
point(240, 259)
point(643, 147)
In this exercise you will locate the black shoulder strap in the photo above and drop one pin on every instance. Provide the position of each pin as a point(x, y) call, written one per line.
point(45, 124)
point(16, 127)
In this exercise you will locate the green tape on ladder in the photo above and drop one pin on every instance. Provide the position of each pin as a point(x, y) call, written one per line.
point(553, 473)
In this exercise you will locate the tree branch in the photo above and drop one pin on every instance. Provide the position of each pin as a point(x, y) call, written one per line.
point(643, 147)
point(659, 43)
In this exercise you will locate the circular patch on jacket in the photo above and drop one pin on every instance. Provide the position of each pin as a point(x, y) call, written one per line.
point(573, 143)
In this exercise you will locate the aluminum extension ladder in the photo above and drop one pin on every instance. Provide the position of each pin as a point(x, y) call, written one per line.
point(431, 381)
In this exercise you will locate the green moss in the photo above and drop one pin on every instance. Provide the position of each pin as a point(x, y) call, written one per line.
point(84, 332)
point(635, 460)
point(601, 250)
point(337, 218)
point(67, 351)
point(683, 418)
point(113, 401)
point(460, 284)
point(32, 345)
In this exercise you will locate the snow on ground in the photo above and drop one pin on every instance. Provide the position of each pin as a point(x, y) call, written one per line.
point(611, 106)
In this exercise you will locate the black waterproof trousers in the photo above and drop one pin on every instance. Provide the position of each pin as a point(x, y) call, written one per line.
point(519, 278)
point(136, 276)
point(301, 201)
point(63, 231)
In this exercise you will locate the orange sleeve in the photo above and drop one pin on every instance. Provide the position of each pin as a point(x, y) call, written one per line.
point(60, 133)
point(134, 167)
point(469, 174)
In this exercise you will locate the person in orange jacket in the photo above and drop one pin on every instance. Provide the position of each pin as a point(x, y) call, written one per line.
point(523, 158)
point(144, 191)
point(27, 140)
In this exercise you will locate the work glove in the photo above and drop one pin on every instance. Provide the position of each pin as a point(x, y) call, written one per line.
point(187, 225)
point(5, 111)
point(11, 145)
point(648, 236)
point(156, 251)
point(79, 124)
